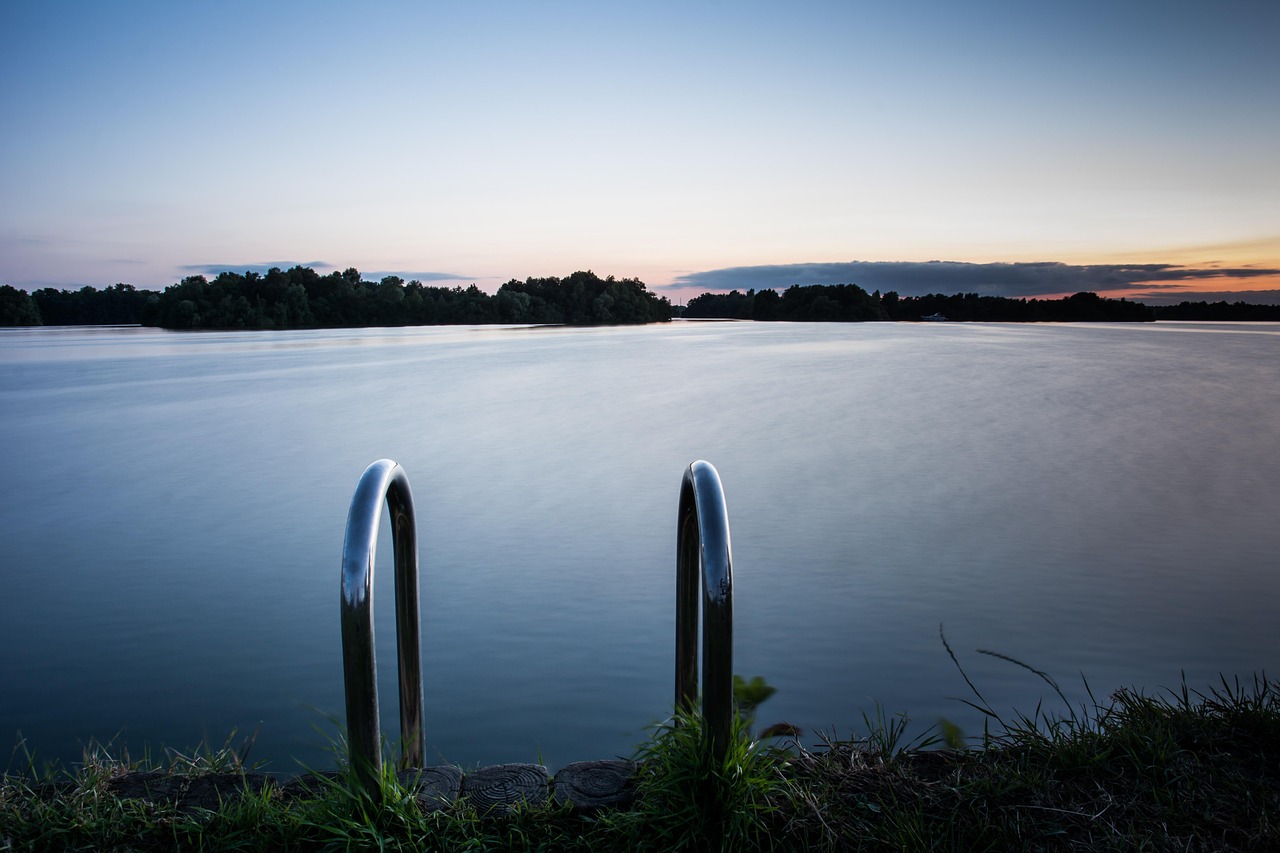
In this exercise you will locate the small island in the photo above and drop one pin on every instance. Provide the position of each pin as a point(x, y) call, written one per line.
point(301, 298)
point(850, 303)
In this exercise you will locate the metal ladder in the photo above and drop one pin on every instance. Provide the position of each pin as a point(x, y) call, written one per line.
point(702, 551)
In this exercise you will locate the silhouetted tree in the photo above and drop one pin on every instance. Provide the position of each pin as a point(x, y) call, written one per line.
point(17, 308)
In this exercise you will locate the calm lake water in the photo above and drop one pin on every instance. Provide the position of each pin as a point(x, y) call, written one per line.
point(1096, 499)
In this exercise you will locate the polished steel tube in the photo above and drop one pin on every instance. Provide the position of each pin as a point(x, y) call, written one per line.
point(359, 665)
point(703, 551)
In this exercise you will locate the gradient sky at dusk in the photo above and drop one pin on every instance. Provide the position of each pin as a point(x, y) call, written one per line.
point(1035, 148)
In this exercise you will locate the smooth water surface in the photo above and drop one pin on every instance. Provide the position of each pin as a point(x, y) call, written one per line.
point(1101, 499)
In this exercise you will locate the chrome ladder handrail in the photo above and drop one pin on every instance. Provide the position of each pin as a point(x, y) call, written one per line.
point(703, 553)
point(703, 550)
point(383, 478)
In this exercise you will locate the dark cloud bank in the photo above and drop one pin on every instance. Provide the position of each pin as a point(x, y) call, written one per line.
point(322, 267)
point(1151, 283)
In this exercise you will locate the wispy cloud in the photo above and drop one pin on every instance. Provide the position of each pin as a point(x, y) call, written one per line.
point(913, 278)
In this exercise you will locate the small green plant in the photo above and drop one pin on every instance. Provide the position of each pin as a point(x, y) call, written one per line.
point(689, 801)
point(228, 758)
point(1048, 726)
point(886, 736)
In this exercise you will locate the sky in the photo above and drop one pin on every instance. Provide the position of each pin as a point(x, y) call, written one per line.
point(1127, 147)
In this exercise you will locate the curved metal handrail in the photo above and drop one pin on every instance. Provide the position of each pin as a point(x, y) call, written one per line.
point(702, 549)
point(382, 478)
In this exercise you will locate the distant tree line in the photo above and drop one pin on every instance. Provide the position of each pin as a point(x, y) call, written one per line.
point(817, 302)
point(302, 298)
point(1221, 311)
point(848, 302)
point(118, 304)
point(1079, 307)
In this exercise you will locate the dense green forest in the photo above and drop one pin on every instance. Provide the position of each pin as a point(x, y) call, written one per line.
point(117, 304)
point(86, 306)
point(120, 303)
point(17, 308)
point(302, 298)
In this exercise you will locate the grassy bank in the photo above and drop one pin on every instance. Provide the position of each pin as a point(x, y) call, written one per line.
point(1185, 770)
